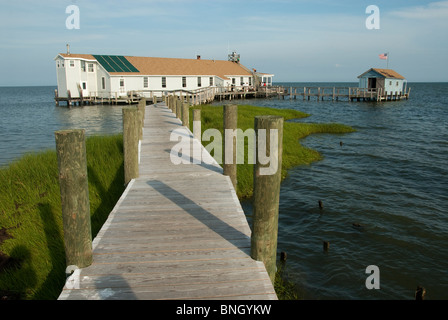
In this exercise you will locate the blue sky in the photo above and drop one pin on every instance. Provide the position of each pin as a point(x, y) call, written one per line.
point(302, 40)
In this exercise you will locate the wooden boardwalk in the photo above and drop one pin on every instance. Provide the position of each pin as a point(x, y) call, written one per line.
point(177, 232)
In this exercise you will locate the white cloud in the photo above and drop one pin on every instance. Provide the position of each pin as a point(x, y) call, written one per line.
point(434, 10)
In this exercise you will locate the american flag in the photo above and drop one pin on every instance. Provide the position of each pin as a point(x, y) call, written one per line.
point(383, 56)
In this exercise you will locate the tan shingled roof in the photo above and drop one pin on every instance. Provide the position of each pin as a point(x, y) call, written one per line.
point(388, 73)
point(175, 66)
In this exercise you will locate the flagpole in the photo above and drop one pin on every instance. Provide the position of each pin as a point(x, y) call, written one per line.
point(388, 55)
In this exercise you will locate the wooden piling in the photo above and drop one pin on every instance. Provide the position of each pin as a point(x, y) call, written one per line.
point(230, 125)
point(130, 143)
point(173, 104)
point(420, 293)
point(321, 205)
point(196, 129)
point(266, 197)
point(178, 108)
point(73, 183)
point(185, 114)
point(141, 117)
point(283, 256)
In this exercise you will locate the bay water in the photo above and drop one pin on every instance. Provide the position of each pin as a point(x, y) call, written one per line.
point(384, 188)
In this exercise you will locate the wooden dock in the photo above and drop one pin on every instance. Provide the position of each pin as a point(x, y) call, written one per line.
point(343, 93)
point(177, 232)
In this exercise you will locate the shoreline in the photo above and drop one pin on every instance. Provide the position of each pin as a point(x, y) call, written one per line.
point(39, 213)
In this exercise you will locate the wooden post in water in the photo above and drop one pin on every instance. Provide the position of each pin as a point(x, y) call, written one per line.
point(267, 193)
point(73, 183)
point(130, 143)
point(230, 125)
point(69, 99)
point(56, 97)
point(185, 114)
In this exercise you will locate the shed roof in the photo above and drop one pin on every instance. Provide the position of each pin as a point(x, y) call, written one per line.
point(175, 66)
point(386, 73)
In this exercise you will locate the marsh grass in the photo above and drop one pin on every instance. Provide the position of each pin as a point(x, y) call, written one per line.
point(30, 215)
point(294, 154)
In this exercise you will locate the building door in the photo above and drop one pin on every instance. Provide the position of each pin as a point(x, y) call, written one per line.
point(122, 87)
point(84, 91)
point(371, 83)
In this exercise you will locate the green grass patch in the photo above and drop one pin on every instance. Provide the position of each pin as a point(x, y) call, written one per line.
point(294, 154)
point(31, 247)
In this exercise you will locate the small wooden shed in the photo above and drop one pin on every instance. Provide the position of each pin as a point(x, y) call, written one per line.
point(389, 81)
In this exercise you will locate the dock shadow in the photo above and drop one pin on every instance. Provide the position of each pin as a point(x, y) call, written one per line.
point(191, 162)
point(215, 224)
point(118, 288)
point(172, 122)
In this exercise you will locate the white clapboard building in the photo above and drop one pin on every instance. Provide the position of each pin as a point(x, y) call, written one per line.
point(108, 76)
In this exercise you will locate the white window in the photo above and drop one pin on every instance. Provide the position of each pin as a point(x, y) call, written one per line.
point(91, 69)
point(184, 82)
point(250, 81)
point(84, 85)
point(83, 66)
point(211, 81)
point(72, 63)
point(241, 81)
point(163, 82)
point(199, 82)
point(58, 63)
point(121, 83)
point(145, 82)
point(103, 83)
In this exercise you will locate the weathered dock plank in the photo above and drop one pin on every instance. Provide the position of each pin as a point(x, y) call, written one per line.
point(177, 232)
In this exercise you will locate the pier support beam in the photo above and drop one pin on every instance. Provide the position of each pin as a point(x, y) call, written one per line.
point(267, 194)
point(73, 183)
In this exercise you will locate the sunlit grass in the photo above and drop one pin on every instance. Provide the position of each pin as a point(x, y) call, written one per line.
point(30, 213)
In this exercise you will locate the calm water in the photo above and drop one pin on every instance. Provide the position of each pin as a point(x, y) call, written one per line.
point(390, 176)
point(29, 118)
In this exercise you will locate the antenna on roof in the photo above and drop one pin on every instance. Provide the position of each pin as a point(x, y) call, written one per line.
point(234, 57)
